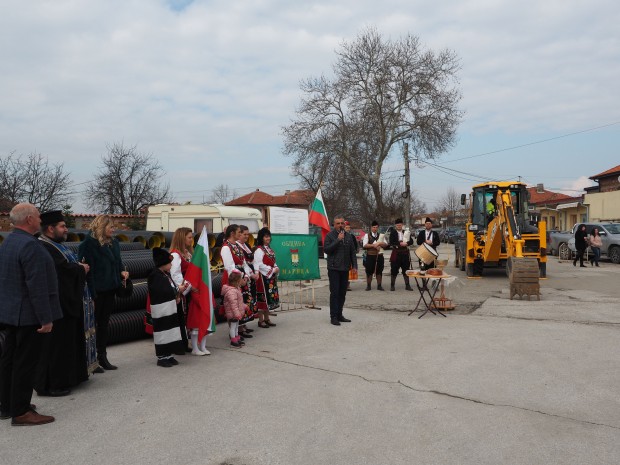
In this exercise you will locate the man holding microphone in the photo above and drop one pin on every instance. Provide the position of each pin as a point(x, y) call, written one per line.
point(340, 249)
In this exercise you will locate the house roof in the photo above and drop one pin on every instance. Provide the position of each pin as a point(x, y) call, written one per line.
point(548, 197)
point(293, 198)
point(609, 172)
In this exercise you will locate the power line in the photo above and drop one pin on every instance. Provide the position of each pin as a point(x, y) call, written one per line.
point(535, 142)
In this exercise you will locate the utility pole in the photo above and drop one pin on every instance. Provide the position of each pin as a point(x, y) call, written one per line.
point(407, 194)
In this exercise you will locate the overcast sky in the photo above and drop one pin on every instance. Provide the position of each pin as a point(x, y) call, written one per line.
point(205, 86)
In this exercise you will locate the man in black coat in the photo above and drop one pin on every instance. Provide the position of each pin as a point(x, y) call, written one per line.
point(340, 248)
point(428, 236)
point(63, 361)
point(581, 244)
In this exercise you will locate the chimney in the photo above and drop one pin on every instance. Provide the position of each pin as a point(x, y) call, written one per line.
point(287, 192)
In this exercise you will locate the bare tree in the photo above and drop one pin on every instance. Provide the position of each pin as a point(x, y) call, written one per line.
point(33, 179)
point(449, 204)
point(383, 93)
point(127, 182)
point(222, 194)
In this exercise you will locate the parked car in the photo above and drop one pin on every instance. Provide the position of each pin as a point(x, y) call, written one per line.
point(563, 243)
point(445, 234)
point(456, 233)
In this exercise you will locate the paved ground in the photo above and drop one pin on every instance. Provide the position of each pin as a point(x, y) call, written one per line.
point(495, 382)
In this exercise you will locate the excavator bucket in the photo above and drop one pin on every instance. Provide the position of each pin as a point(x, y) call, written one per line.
point(523, 274)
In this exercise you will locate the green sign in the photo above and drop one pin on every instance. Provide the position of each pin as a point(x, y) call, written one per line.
point(297, 256)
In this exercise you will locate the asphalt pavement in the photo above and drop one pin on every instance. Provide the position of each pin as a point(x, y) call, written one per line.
point(497, 381)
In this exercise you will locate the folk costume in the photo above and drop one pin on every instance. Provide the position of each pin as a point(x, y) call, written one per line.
point(63, 362)
point(399, 258)
point(428, 235)
point(180, 263)
point(267, 294)
point(233, 257)
point(248, 256)
point(162, 296)
point(374, 260)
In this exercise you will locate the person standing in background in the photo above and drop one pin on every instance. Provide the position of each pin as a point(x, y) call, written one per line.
point(581, 244)
point(399, 258)
point(374, 256)
point(595, 244)
point(181, 249)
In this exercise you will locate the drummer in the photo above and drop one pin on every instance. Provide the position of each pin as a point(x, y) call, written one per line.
point(428, 236)
point(399, 258)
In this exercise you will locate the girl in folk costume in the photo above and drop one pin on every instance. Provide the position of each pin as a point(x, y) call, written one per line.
point(164, 297)
point(233, 258)
point(234, 306)
point(181, 250)
point(250, 298)
point(267, 295)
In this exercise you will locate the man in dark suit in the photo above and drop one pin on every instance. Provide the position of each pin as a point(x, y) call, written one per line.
point(29, 296)
point(428, 236)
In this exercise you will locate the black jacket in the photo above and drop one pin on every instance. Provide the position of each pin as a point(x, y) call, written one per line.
point(393, 241)
point(580, 238)
point(434, 237)
point(340, 254)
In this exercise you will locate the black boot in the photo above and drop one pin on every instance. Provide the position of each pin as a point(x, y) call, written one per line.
point(105, 363)
point(407, 286)
point(393, 278)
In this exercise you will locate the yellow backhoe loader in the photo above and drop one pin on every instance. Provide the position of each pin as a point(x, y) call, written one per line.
point(499, 234)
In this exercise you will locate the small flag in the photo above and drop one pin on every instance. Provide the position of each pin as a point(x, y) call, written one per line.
point(318, 214)
point(202, 303)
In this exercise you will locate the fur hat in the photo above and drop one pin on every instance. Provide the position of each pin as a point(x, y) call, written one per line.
point(161, 257)
point(428, 220)
point(398, 221)
point(374, 223)
point(51, 217)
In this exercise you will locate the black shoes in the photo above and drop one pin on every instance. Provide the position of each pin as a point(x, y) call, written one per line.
point(98, 370)
point(342, 319)
point(105, 363)
point(165, 362)
point(54, 393)
point(408, 287)
point(367, 288)
point(335, 322)
point(379, 288)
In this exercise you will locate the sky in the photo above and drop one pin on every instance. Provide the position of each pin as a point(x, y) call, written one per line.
point(205, 86)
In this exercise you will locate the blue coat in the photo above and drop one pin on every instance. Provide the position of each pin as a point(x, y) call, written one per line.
point(28, 283)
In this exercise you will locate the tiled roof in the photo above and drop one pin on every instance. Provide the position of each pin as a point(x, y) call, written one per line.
point(548, 197)
point(295, 198)
point(609, 172)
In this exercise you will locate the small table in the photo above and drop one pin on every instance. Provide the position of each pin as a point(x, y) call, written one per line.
point(421, 282)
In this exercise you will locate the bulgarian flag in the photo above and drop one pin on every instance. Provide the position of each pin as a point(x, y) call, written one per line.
point(318, 214)
point(202, 304)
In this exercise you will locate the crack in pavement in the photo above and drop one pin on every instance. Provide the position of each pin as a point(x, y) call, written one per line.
point(551, 320)
point(424, 391)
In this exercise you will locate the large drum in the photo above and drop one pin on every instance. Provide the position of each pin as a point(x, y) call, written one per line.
point(426, 254)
